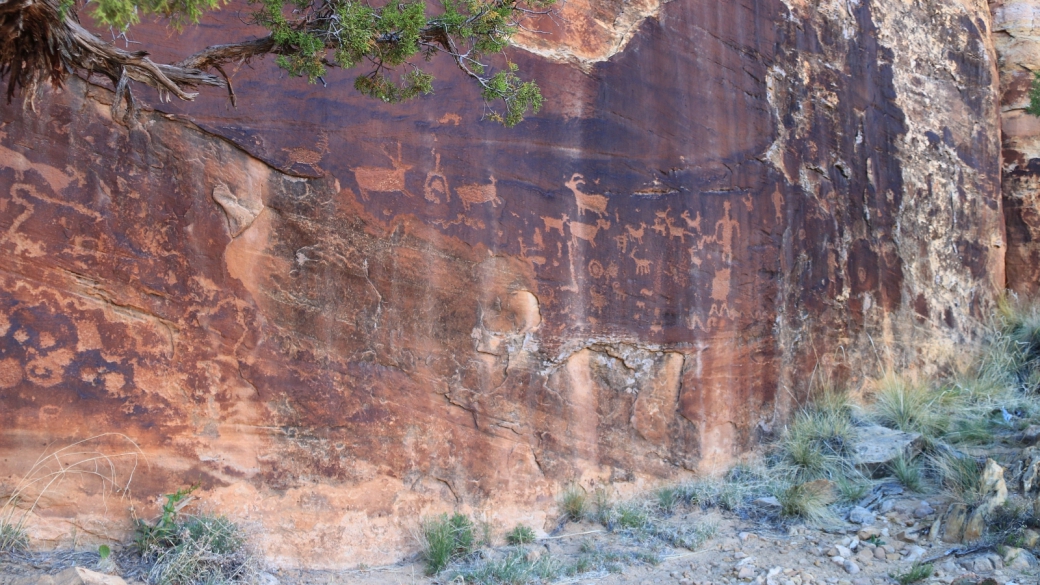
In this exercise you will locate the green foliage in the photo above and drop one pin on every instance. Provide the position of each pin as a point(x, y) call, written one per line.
point(104, 551)
point(164, 533)
point(121, 14)
point(573, 503)
point(209, 550)
point(1034, 95)
point(392, 40)
point(909, 473)
point(12, 537)
point(190, 550)
point(960, 477)
point(910, 406)
point(918, 572)
point(520, 534)
point(852, 488)
point(819, 442)
point(516, 568)
point(808, 501)
point(444, 539)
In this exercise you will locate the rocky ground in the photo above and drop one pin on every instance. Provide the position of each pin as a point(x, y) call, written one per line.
point(897, 531)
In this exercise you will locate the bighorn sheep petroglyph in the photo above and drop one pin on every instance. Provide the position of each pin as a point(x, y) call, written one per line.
point(586, 201)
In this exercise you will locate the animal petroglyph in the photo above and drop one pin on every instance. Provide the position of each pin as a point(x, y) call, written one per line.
point(475, 194)
point(664, 225)
point(382, 179)
point(586, 201)
point(307, 157)
point(636, 234)
point(551, 223)
point(436, 183)
point(586, 231)
point(642, 264)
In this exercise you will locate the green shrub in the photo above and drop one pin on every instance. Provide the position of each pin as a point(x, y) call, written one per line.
point(444, 539)
point(209, 550)
point(960, 476)
point(516, 568)
point(520, 534)
point(819, 442)
point(910, 406)
point(12, 537)
point(918, 572)
point(908, 472)
point(809, 501)
point(573, 503)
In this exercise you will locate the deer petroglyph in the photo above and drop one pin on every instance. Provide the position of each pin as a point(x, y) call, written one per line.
point(382, 179)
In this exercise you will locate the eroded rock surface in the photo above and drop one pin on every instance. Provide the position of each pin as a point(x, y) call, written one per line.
point(341, 316)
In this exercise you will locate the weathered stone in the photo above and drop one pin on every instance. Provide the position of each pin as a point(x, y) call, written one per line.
point(877, 446)
point(341, 317)
point(956, 518)
point(859, 515)
point(994, 490)
point(1030, 463)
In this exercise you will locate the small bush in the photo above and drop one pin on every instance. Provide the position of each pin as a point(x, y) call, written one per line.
point(12, 537)
point(209, 550)
point(193, 550)
point(910, 406)
point(514, 569)
point(852, 488)
point(818, 443)
point(573, 503)
point(668, 498)
point(630, 516)
point(444, 539)
point(808, 501)
point(960, 476)
point(520, 534)
point(908, 472)
point(918, 572)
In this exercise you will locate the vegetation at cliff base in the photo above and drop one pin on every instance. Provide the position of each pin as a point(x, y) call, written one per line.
point(390, 43)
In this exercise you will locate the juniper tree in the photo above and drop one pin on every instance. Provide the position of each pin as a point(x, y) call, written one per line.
point(390, 42)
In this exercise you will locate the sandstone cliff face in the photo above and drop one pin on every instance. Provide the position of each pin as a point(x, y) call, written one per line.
point(1017, 39)
point(340, 316)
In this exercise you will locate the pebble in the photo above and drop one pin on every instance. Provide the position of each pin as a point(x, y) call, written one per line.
point(886, 506)
point(746, 573)
point(923, 510)
point(879, 553)
point(914, 554)
point(850, 567)
point(860, 515)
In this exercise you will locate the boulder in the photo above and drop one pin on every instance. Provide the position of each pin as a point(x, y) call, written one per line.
point(860, 515)
point(956, 518)
point(994, 490)
point(878, 446)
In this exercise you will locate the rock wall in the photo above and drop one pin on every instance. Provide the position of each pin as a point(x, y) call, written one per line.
point(1016, 26)
point(339, 316)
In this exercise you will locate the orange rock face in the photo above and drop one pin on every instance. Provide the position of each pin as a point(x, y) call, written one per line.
point(340, 316)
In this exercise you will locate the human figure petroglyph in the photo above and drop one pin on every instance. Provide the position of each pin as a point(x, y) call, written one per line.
point(622, 242)
point(304, 156)
point(382, 179)
point(476, 194)
point(586, 201)
point(586, 231)
point(436, 183)
point(723, 233)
